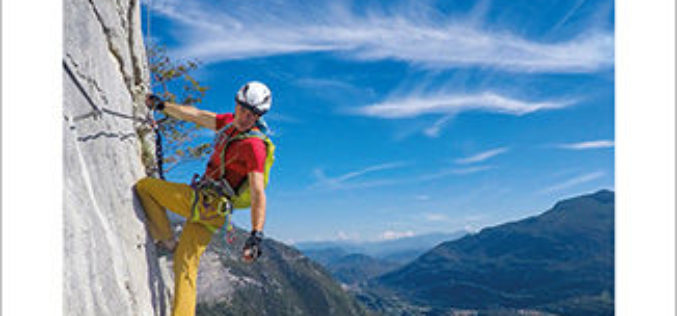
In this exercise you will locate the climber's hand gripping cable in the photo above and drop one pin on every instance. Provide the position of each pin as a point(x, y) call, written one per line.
point(252, 247)
point(154, 102)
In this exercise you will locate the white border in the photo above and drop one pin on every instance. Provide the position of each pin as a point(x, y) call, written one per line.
point(32, 251)
point(645, 158)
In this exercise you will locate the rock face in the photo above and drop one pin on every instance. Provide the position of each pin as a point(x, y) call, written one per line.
point(110, 265)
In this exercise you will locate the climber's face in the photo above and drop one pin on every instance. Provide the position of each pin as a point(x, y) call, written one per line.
point(244, 118)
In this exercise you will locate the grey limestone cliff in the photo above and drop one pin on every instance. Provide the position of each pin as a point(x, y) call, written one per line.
point(110, 265)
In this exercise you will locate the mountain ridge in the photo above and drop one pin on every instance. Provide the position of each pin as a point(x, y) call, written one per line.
point(542, 261)
point(282, 281)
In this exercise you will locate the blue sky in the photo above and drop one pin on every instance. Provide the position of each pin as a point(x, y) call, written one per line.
point(396, 118)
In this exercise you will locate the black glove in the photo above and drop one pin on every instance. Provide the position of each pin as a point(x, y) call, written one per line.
point(252, 247)
point(154, 102)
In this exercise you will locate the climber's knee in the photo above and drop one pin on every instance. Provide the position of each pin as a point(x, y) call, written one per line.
point(144, 185)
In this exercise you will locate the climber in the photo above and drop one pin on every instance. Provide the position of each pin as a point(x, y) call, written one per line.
point(235, 177)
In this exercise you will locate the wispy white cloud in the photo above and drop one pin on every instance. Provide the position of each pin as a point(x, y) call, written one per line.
point(217, 32)
point(322, 181)
point(482, 156)
point(391, 235)
point(325, 83)
point(332, 89)
point(342, 235)
point(468, 222)
point(567, 16)
point(358, 173)
point(451, 172)
point(434, 130)
point(471, 228)
point(340, 181)
point(471, 170)
point(573, 182)
point(588, 145)
point(436, 217)
point(449, 104)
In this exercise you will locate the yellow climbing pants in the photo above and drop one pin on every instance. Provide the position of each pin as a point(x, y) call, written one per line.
point(155, 196)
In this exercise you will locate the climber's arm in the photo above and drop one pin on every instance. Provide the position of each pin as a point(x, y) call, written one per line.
point(256, 180)
point(252, 246)
point(258, 198)
point(192, 114)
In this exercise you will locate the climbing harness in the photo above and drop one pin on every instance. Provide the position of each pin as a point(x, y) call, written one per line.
point(213, 192)
point(98, 111)
point(215, 196)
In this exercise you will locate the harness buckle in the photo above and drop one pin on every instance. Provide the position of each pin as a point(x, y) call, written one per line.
point(212, 190)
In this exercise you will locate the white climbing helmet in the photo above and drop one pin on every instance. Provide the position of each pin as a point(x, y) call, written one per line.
point(255, 96)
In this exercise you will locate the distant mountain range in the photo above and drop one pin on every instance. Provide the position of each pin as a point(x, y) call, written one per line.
point(560, 262)
point(353, 263)
point(400, 250)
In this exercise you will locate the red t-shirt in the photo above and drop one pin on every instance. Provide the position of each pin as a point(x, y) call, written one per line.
point(242, 156)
